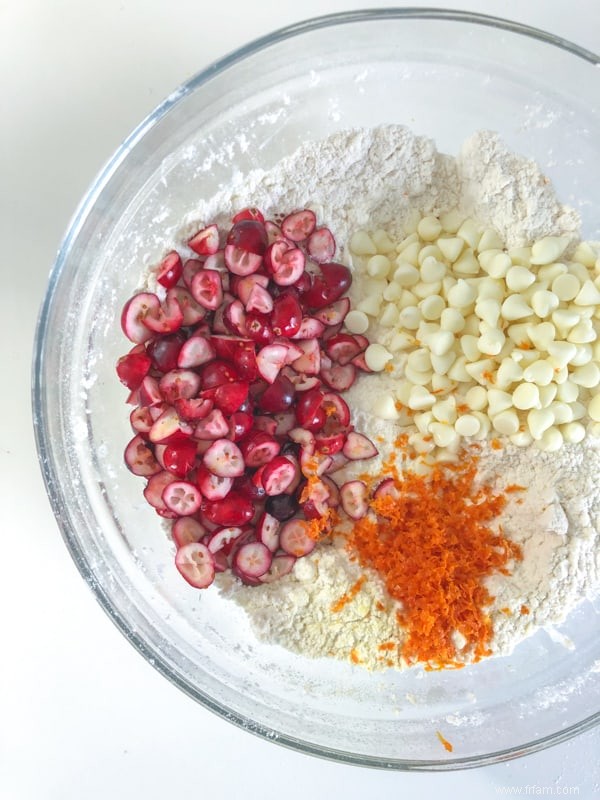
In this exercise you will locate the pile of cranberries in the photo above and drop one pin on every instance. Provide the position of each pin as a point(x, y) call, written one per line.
point(235, 376)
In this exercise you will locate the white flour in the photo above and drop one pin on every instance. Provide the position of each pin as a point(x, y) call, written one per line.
point(375, 178)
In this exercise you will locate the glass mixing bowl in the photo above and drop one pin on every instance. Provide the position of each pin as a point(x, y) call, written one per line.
point(445, 74)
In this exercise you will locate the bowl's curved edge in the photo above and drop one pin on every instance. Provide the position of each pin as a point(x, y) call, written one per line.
point(43, 444)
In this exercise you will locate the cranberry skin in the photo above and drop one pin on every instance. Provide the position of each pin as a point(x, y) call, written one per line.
point(164, 350)
point(290, 448)
point(308, 409)
point(286, 316)
point(258, 327)
point(235, 509)
point(329, 286)
point(248, 488)
point(282, 506)
point(240, 424)
point(132, 369)
point(218, 372)
point(244, 360)
point(279, 396)
point(249, 213)
point(249, 235)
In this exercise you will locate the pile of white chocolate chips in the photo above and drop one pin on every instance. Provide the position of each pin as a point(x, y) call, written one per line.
point(482, 308)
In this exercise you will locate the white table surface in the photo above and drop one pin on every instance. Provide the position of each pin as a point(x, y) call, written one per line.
point(82, 715)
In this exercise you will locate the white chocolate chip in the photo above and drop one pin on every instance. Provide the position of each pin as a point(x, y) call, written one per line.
point(362, 245)
point(376, 357)
point(514, 307)
point(356, 321)
point(526, 396)
point(384, 407)
point(548, 249)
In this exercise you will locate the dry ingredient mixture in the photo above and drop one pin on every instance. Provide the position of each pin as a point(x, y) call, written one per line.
point(482, 403)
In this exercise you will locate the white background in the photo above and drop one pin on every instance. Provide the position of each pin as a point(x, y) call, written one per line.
point(82, 715)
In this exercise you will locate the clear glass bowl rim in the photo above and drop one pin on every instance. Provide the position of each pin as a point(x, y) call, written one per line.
point(49, 472)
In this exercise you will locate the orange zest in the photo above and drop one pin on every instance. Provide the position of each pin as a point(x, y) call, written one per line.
point(350, 595)
point(445, 742)
point(433, 546)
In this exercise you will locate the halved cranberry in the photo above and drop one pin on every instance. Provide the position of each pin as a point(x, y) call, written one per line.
point(310, 328)
point(270, 359)
point(278, 397)
point(230, 396)
point(387, 488)
point(167, 318)
point(248, 235)
point(338, 377)
point(213, 426)
point(258, 327)
point(310, 362)
point(206, 241)
point(193, 409)
point(343, 348)
point(155, 488)
point(207, 288)
point(213, 487)
point(240, 425)
point(299, 225)
point(169, 428)
point(182, 497)
point(196, 563)
point(259, 300)
point(249, 488)
point(141, 419)
point(291, 267)
point(321, 245)
point(224, 459)
point(133, 368)
point(149, 392)
point(170, 270)
point(354, 496)
point(329, 286)
point(193, 312)
point(278, 475)
point(186, 530)
point(266, 424)
point(218, 372)
point(282, 506)
point(179, 383)
point(281, 565)
point(134, 313)
point(336, 409)
point(235, 509)
point(252, 560)
point(294, 538)
point(196, 351)
point(241, 262)
point(308, 408)
point(286, 318)
point(242, 287)
point(164, 351)
point(180, 457)
point(249, 213)
point(267, 531)
point(234, 317)
point(190, 268)
point(259, 449)
point(358, 446)
point(224, 539)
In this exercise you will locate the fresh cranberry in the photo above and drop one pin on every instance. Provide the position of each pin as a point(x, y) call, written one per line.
point(249, 235)
point(164, 351)
point(282, 506)
point(258, 327)
point(286, 317)
point(278, 397)
point(235, 509)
